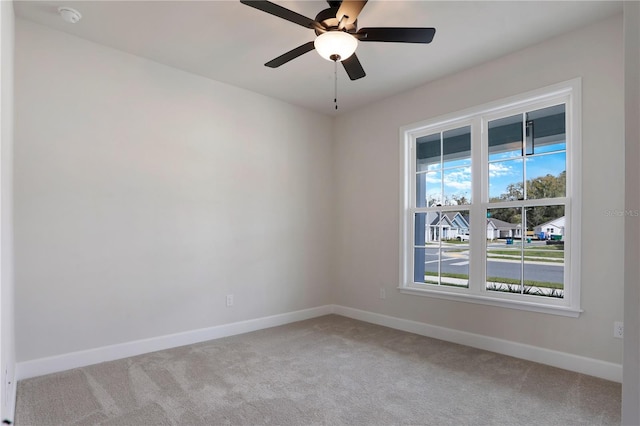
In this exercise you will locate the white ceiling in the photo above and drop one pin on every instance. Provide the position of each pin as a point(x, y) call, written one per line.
point(230, 42)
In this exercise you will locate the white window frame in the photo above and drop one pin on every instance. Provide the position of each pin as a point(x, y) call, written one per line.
point(569, 93)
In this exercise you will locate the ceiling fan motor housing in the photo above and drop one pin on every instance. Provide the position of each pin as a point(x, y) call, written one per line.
point(328, 20)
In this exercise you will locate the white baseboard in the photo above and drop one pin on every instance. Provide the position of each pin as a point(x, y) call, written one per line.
point(42, 366)
point(593, 367)
point(571, 362)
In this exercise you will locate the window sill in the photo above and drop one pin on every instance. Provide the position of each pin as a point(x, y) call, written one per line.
point(494, 301)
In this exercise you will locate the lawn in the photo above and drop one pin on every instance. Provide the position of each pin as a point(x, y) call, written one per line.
point(501, 280)
point(530, 252)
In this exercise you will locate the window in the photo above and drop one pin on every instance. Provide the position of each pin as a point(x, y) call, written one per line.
point(441, 218)
point(487, 203)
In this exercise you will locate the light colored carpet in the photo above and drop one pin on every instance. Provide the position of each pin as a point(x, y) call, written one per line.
point(325, 371)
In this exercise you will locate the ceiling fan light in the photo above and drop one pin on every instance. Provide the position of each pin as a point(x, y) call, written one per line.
point(335, 43)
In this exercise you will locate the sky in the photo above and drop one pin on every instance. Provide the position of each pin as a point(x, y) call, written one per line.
point(504, 169)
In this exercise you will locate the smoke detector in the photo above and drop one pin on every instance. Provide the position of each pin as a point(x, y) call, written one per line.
point(70, 15)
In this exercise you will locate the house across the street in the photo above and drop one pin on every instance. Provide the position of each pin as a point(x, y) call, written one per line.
point(551, 228)
point(497, 228)
point(448, 226)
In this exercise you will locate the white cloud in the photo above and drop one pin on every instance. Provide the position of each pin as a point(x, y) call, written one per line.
point(459, 179)
point(500, 169)
point(456, 178)
point(433, 179)
point(462, 186)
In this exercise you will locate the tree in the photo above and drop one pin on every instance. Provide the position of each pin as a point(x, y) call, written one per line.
point(457, 199)
point(449, 200)
point(515, 191)
point(547, 186)
point(510, 215)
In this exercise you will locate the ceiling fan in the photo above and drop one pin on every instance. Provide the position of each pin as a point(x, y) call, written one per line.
point(337, 33)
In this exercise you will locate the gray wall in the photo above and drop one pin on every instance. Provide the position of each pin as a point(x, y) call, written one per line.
point(367, 167)
point(144, 195)
point(631, 365)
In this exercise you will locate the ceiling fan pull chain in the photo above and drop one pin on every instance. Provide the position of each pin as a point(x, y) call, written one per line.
point(335, 79)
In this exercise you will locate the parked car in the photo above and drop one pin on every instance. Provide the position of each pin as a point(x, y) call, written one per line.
point(463, 237)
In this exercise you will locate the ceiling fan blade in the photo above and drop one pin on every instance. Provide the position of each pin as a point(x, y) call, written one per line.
point(349, 10)
point(397, 35)
point(353, 67)
point(292, 54)
point(282, 12)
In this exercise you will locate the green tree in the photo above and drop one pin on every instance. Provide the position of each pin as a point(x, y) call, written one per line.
point(515, 191)
point(547, 186)
point(510, 215)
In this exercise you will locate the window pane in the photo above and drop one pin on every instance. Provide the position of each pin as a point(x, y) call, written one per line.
point(505, 138)
point(504, 250)
point(456, 145)
point(529, 262)
point(419, 255)
point(428, 153)
point(443, 258)
point(457, 186)
point(419, 240)
point(549, 220)
point(429, 189)
point(546, 130)
point(433, 228)
point(506, 180)
point(454, 250)
point(420, 227)
point(431, 261)
point(544, 251)
point(431, 258)
point(546, 176)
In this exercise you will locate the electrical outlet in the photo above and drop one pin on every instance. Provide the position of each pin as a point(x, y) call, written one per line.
point(383, 293)
point(618, 329)
point(229, 299)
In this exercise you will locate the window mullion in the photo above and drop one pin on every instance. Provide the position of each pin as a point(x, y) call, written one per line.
point(525, 196)
point(524, 156)
point(523, 230)
point(479, 174)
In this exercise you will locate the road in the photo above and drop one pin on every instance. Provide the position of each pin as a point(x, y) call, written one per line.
point(548, 272)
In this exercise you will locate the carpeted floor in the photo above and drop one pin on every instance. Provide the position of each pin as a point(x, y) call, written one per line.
point(325, 371)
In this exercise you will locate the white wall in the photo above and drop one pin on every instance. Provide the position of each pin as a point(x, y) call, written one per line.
point(144, 195)
point(367, 167)
point(631, 365)
point(7, 347)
